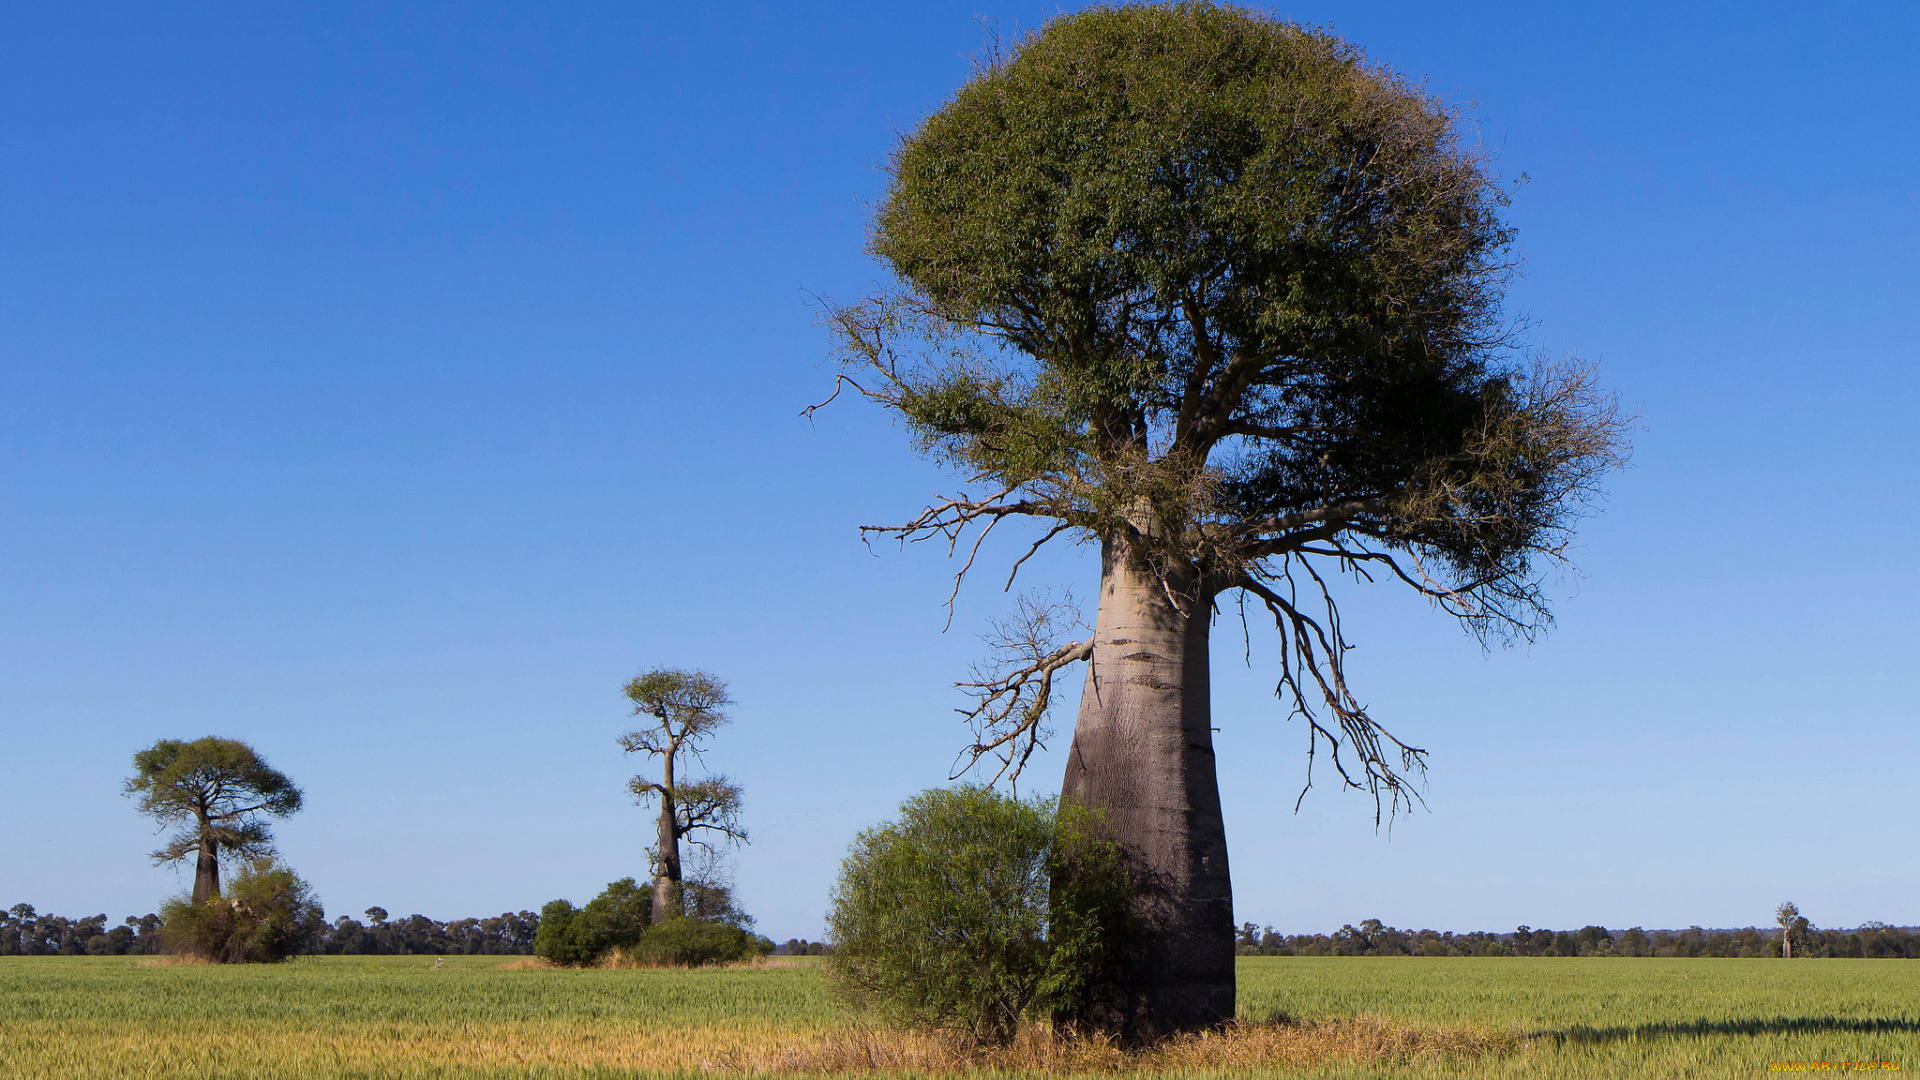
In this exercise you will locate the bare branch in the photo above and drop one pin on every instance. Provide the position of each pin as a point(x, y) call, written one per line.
point(1313, 653)
point(949, 519)
point(840, 382)
point(1037, 545)
point(1014, 690)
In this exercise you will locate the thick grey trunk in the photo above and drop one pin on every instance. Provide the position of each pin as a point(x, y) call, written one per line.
point(666, 883)
point(206, 872)
point(1142, 756)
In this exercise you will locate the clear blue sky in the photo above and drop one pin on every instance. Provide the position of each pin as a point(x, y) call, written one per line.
point(385, 385)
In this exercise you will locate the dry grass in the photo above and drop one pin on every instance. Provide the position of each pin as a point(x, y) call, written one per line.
point(1273, 1045)
point(528, 963)
point(763, 962)
point(97, 1049)
point(618, 958)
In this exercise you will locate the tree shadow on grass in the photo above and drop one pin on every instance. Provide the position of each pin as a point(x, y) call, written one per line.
point(1675, 1029)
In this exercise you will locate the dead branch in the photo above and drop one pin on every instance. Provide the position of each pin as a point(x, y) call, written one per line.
point(1013, 692)
point(1313, 652)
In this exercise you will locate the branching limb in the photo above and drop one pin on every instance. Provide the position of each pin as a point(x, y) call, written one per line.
point(950, 519)
point(1217, 406)
point(1366, 755)
point(709, 810)
point(1014, 691)
point(840, 382)
point(1037, 545)
point(1346, 510)
point(1205, 357)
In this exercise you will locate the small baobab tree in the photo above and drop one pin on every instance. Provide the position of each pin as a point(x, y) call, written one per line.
point(215, 791)
point(683, 708)
point(1788, 916)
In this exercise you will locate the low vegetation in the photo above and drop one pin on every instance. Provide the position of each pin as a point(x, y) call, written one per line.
point(616, 928)
point(268, 913)
point(973, 912)
point(465, 1018)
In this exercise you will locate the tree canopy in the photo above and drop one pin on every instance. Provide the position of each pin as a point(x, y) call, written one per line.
point(216, 793)
point(1220, 286)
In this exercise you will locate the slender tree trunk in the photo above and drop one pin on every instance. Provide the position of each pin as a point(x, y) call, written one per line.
point(1142, 756)
point(206, 871)
point(666, 882)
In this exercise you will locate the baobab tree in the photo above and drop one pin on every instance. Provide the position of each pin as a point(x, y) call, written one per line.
point(216, 791)
point(1788, 916)
point(683, 709)
point(1220, 296)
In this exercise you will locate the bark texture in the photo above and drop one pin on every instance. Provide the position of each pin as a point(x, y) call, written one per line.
point(666, 882)
point(1142, 757)
point(206, 871)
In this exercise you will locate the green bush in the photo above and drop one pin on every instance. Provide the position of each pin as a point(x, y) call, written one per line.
point(554, 939)
point(268, 913)
point(973, 911)
point(617, 918)
point(690, 942)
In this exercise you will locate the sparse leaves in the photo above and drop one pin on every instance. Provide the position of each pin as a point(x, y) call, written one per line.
point(705, 810)
point(684, 707)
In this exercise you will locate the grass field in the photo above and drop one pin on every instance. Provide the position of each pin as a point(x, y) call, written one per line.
point(468, 1017)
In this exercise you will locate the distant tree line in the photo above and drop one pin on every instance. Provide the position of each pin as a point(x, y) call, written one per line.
point(25, 932)
point(506, 934)
point(1871, 940)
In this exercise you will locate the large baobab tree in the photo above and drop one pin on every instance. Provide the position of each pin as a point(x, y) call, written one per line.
point(683, 708)
point(1217, 295)
point(216, 791)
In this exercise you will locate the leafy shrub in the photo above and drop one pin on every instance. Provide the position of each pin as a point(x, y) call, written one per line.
point(691, 942)
point(617, 918)
point(974, 910)
point(554, 940)
point(268, 913)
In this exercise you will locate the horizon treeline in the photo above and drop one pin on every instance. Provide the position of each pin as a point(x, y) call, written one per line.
point(25, 932)
point(1870, 940)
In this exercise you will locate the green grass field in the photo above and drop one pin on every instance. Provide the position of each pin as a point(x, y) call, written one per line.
point(85, 1017)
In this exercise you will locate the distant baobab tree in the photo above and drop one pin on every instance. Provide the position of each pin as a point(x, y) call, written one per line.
point(216, 791)
point(683, 708)
point(1787, 915)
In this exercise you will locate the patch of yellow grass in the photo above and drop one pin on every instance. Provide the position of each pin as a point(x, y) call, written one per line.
point(216, 1049)
point(1278, 1044)
point(620, 958)
point(528, 963)
point(171, 960)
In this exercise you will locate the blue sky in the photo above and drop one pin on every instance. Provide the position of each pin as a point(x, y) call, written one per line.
point(385, 385)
